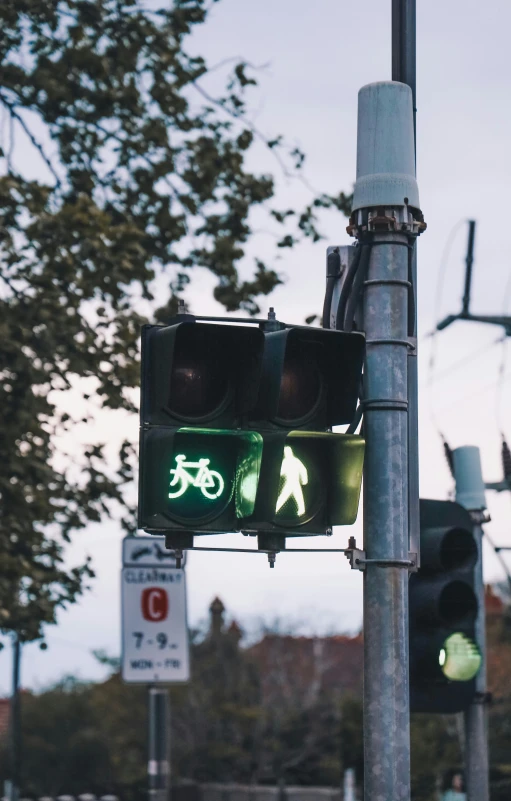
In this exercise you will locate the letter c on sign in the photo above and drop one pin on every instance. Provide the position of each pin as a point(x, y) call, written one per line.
point(155, 604)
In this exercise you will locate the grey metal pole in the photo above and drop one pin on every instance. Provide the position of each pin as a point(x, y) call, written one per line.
point(386, 689)
point(158, 765)
point(404, 70)
point(470, 494)
point(15, 721)
point(386, 213)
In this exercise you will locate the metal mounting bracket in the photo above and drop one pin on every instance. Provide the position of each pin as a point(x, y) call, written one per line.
point(356, 558)
point(358, 561)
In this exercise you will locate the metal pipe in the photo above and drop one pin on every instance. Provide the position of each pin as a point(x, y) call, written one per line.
point(404, 70)
point(158, 765)
point(404, 47)
point(15, 721)
point(386, 681)
point(470, 494)
point(469, 262)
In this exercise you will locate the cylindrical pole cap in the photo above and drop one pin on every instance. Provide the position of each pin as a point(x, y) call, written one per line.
point(385, 147)
point(469, 477)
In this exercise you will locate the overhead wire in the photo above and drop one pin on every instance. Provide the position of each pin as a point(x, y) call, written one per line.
point(438, 298)
point(503, 377)
point(460, 399)
point(468, 358)
point(503, 361)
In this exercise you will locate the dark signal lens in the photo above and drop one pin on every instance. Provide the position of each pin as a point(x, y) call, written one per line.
point(456, 602)
point(300, 388)
point(199, 383)
point(458, 549)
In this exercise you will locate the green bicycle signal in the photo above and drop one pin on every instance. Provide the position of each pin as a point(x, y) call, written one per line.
point(210, 482)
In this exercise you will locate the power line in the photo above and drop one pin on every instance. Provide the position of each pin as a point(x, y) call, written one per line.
point(438, 297)
point(464, 398)
point(467, 359)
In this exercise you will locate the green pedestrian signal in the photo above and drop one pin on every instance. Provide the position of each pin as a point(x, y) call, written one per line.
point(293, 476)
point(445, 656)
point(236, 429)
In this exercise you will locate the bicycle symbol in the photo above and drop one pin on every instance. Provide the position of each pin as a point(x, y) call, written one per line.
point(210, 483)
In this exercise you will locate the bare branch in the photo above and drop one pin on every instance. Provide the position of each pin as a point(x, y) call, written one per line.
point(14, 115)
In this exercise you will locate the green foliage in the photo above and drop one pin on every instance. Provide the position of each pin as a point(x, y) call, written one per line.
point(435, 751)
point(92, 738)
point(217, 718)
point(352, 740)
point(140, 170)
point(62, 746)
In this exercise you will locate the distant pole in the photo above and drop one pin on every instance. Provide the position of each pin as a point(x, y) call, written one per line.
point(470, 494)
point(404, 46)
point(469, 262)
point(349, 785)
point(158, 765)
point(404, 70)
point(15, 721)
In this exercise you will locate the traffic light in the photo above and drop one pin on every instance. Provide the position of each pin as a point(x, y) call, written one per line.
point(444, 654)
point(235, 426)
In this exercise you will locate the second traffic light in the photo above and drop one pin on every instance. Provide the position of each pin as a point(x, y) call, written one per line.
point(234, 429)
point(445, 656)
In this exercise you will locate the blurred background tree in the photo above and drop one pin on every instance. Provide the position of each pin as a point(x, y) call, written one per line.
point(121, 172)
point(228, 728)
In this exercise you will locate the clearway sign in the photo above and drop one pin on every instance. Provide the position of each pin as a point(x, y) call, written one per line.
point(154, 626)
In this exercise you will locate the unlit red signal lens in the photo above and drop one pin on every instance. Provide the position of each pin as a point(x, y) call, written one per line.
point(198, 387)
point(300, 389)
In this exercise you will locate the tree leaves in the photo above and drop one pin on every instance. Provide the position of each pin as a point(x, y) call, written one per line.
point(140, 171)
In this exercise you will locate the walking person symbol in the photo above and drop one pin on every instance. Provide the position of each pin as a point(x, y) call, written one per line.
point(295, 476)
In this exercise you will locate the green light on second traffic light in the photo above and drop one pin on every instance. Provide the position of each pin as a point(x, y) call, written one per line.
point(460, 658)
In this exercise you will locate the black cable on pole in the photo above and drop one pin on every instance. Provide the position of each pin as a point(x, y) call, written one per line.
point(412, 316)
point(346, 290)
point(356, 289)
point(448, 454)
point(327, 303)
point(356, 420)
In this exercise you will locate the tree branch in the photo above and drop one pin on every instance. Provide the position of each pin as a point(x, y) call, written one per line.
point(14, 114)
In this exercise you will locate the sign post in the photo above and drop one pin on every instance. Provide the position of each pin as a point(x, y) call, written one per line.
point(155, 647)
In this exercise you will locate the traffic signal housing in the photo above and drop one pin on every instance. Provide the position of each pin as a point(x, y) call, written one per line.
point(445, 656)
point(235, 429)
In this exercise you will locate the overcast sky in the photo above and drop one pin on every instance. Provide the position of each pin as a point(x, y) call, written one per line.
point(319, 55)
